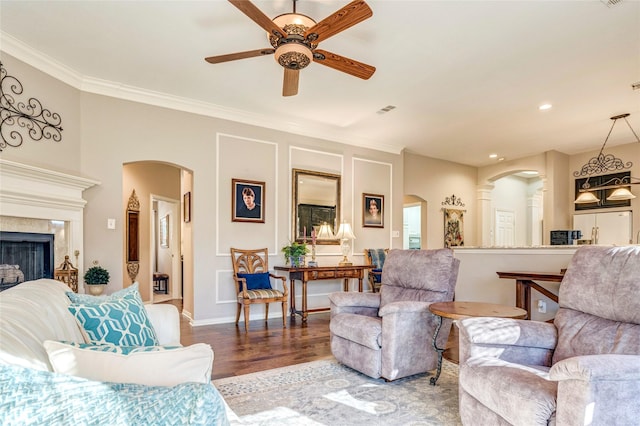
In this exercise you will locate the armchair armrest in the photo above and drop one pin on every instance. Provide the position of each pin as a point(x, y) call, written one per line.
point(165, 320)
point(519, 341)
point(285, 289)
point(404, 307)
point(597, 389)
point(597, 367)
point(354, 303)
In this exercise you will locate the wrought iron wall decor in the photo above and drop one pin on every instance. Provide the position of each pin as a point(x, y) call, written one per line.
point(20, 119)
point(453, 201)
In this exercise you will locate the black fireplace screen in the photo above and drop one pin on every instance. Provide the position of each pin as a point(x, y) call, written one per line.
point(25, 256)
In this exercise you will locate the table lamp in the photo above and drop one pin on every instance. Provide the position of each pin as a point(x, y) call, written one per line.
point(344, 234)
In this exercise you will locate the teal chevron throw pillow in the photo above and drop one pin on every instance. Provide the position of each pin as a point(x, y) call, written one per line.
point(88, 298)
point(122, 322)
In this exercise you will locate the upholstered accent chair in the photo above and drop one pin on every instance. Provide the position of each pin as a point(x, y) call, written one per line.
point(253, 283)
point(375, 258)
point(389, 334)
point(583, 369)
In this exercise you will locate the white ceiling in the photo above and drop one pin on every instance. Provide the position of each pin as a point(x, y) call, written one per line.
point(466, 77)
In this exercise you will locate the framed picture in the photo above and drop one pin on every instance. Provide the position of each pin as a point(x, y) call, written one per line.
point(453, 228)
point(372, 211)
point(186, 201)
point(164, 231)
point(247, 201)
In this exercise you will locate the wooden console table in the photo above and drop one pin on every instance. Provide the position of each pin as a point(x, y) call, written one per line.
point(525, 282)
point(306, 274)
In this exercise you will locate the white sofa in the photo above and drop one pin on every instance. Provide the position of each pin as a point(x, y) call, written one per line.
point(37, 311)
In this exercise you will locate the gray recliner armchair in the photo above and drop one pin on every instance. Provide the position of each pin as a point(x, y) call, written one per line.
point(584, 369)
point(389, 334)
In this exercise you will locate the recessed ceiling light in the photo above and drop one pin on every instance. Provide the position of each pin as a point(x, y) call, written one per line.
point(501, 159)
point(493, 155)
point(544, 107)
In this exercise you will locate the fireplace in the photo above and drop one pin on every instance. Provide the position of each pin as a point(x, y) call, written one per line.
point(41, 204)
point(32, 253)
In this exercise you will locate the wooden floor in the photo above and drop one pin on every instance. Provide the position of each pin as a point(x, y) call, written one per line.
point(268, 345)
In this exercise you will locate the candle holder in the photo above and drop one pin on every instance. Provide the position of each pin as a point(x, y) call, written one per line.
point(312, 262)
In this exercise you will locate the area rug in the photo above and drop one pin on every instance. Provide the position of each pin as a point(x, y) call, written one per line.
point(327, 393)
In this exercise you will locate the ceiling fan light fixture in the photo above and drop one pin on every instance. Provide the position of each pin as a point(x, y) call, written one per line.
point(586, 198)
point(294, 23)
point(621, 194)
point(294, 56)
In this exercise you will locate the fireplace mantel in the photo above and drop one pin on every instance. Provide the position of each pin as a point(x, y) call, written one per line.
point(36, 193)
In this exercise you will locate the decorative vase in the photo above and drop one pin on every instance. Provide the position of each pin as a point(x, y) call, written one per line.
point(296, 262)
point(95, 289)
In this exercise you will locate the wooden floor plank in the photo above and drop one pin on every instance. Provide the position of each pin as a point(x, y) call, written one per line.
point(267, 345)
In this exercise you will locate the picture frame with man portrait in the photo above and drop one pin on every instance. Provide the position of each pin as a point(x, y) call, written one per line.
point(247, 201)
point(372, 211)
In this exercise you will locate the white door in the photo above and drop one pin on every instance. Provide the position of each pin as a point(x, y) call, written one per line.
point(505, 228)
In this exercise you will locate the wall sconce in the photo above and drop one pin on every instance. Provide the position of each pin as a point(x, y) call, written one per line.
point(345, 233)
point(603, 163)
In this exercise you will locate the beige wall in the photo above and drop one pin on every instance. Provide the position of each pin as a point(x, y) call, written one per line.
point(114, 132)
point(58, 98)
point(103, 133)
point(434, 180)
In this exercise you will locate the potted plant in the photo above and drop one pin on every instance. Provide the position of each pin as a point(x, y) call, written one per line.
point(96, 278)
point(294, 253)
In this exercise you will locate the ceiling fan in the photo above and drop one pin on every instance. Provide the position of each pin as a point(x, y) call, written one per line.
point(295, 39)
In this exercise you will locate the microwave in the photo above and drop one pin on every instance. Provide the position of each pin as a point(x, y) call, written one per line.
point(565, 237)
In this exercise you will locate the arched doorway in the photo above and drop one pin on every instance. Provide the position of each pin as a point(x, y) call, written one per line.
point(162, 229)
point(511, 208)
point(414, 223)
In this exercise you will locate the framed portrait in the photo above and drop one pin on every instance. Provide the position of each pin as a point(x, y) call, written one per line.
point(372, 211)
point(453, 228)
point(247, 201)
point(164, 231)
point(186, 201)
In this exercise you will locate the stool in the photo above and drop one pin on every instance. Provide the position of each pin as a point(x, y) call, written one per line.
point(161, 282)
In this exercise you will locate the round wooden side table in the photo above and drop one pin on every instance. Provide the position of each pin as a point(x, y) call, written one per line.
point(461, 310)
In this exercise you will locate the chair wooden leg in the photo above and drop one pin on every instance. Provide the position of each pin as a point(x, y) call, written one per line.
point(238, 313)
point(246, 318)
point(284, 314)
point(266, 312)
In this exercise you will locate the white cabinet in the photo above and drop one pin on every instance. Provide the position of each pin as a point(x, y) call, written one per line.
point(605, 228)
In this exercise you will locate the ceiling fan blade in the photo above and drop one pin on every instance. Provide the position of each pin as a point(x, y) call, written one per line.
point(290, 83)
point(353, 13)
point(238, 55)
point(340, 63)
point(249, 9)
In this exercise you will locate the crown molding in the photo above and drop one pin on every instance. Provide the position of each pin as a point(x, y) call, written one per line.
point(59, 71)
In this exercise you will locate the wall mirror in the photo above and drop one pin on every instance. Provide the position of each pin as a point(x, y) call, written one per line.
point(133, 232)
point(133, 218)
point(133, 246)
point(316, 201)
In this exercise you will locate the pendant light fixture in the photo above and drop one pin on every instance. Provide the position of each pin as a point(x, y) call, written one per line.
point(603, 163)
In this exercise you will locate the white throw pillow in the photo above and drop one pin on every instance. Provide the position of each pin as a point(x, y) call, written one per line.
point(164, 367)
